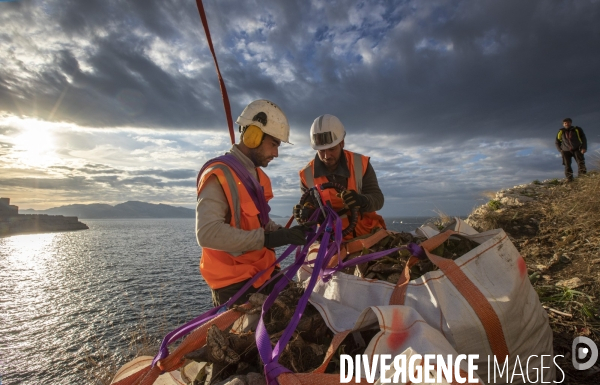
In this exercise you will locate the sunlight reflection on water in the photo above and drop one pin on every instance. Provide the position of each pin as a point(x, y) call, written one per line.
point(67, 295)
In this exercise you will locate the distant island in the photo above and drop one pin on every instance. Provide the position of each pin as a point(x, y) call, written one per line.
point(12, 223)
point(130, 209)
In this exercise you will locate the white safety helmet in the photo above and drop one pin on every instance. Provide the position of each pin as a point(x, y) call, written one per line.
point(326, 131)
point(268, 117)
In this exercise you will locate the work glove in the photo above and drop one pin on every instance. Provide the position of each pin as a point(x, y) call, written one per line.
point(303, 213)
point(292, 236)
point(353, 199)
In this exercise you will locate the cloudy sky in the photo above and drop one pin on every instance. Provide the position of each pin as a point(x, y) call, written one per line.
point(115, 100)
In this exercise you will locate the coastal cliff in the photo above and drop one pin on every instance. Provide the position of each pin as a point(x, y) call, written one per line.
point(556, 227)
point(11, 222)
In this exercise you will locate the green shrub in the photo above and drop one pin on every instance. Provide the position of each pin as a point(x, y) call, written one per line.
point(494, 204)
point(537, 182)
point(554, 182)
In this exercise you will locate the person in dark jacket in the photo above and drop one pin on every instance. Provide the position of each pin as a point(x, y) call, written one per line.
point(571, 143)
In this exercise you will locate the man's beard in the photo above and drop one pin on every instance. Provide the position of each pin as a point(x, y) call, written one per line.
point(259, 159)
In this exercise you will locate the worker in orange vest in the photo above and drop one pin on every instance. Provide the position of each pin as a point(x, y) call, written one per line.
point(351, 170)
point(232, 214)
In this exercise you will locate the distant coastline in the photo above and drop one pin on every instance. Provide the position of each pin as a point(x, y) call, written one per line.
point(126, 210)
point(13, 223)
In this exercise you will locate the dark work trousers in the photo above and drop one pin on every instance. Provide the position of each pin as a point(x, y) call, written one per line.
point(567, 156)
point(222, 295)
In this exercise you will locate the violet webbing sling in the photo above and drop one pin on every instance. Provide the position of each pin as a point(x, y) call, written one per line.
point(269, 356)
point(188, 327)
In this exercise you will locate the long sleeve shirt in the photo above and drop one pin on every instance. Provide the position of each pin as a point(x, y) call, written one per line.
point(213, 215)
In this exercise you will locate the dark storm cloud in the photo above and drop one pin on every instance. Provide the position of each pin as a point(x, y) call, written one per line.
point(153, 174)
point(456, 97)
point(169, 174)
point(152, 177)
point(143, 182)
point(124, 86)
point(458, 69)
point(90, 169)
point(69, 183)
point(116, 182)
point(440, 69)
point(95, 171)
point(95, 165)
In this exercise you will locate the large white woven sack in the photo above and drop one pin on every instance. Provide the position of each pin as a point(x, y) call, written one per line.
point(404, 332)
point(496, 271)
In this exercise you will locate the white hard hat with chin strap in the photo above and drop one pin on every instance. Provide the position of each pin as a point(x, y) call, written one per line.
point(267, 116)
point(326, 131)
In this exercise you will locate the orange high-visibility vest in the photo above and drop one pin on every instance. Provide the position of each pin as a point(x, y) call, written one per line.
point(357, 164)
point(218, 267)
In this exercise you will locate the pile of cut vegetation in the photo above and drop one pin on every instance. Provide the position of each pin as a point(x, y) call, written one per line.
point(556, 227)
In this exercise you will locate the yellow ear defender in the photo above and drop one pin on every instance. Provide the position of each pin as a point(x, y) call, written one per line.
point(252, 136)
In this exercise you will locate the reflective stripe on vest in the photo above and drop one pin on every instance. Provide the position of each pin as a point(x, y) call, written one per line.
point(221, 268)
point(309, 175)
point(235, 198)
point(357, 165)
point(358, 172)
point(578, 136)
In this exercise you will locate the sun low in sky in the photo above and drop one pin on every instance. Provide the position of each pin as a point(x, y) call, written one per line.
point(113, 100)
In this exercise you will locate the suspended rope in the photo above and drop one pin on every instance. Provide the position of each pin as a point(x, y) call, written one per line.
point(221, 82)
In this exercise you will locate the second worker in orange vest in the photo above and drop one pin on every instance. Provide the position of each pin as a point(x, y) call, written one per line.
point(351, 170)
point(232, 214)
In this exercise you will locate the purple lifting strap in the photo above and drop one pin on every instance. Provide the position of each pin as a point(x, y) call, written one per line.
point(326, 251)
point(253, 187)
point(414, 249)
point(271, 356)
point(188, 327)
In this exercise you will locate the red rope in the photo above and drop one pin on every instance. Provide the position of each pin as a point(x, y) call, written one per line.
point(221, 83)
point(289, 222)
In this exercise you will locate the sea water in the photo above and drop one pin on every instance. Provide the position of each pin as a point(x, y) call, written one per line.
point(68, 296)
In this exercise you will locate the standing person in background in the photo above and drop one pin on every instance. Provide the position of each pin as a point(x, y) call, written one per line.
point(351, 170)
point(232, 214)
point(571, 143)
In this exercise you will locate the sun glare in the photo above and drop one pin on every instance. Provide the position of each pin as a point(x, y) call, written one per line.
point(35, 146)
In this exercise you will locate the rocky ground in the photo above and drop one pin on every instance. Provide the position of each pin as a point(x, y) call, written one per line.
point(556, 227)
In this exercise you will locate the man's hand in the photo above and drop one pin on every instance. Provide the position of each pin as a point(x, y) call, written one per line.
point(583, 150)
point(303, 213)
point(353, 199)
point(292, 236)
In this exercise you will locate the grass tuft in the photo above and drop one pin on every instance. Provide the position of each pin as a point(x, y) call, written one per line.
point(494, 205)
